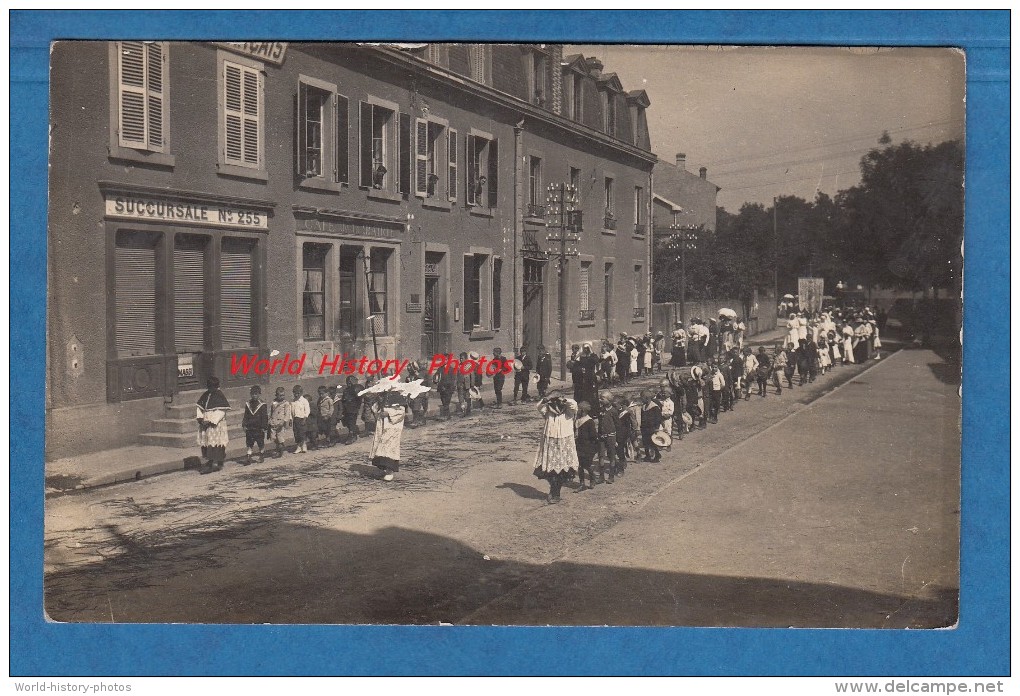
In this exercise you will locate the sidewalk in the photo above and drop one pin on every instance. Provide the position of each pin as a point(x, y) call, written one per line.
point(845, 514)
point(136, 462)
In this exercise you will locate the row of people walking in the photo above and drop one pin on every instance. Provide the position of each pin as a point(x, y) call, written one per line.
point(593, 436)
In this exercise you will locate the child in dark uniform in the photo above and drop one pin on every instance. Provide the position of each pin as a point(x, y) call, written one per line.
point(499, 378)
point(651, 421)
point(255, 423)
point(587, 443)
point(351, 404)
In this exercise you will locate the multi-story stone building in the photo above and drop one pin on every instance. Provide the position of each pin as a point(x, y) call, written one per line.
point(215, 199)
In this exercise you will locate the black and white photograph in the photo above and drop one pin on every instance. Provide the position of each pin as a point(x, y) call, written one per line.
point(504, 334)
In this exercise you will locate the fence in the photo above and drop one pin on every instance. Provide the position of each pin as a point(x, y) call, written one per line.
point(763, 313)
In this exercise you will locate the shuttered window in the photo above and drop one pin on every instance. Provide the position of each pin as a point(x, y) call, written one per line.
point(242, 115)
point(189, 295)
point(406, 164)
point(378, 144)
point(135, 294)
point(482, 160)
point(493, 180)
point(421, 157)
point(583, 303)
point(342, 168)
point(497, 292)
point(451, 183)
point(236, 282)
point(141, 89)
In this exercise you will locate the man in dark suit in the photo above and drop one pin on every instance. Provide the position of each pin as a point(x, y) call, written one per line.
point(544, 368)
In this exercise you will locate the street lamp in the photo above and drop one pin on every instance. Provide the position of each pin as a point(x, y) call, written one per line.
point(563, 220)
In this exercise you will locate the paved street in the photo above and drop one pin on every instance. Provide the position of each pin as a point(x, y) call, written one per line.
point(828, 506)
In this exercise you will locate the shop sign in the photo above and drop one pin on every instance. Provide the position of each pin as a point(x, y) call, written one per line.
point(270, 51)
point(352, 228)
point(184, 212)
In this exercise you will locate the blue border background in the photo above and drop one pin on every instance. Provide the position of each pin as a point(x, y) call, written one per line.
point(979, 645)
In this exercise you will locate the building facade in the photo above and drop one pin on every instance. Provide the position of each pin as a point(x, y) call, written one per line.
point(211, 200)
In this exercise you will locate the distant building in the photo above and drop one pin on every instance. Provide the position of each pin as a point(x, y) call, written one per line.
point(215, 199)
point(682, 197)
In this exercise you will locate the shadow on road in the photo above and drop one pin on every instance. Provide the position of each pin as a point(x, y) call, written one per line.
point(523, 491)
point(271, 572)
point(366, 470)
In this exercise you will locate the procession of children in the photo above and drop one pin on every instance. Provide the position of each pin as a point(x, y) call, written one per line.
point(592, 435)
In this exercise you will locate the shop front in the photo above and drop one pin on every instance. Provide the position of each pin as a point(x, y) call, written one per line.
point(187, 284)
point(348, 285)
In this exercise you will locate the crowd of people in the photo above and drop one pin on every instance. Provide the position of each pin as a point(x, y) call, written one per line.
point(594, 435)
point(708, 371)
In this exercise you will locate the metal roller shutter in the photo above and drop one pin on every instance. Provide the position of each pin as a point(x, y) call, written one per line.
point(235, 295)
point(135, 283)
point(189, 299)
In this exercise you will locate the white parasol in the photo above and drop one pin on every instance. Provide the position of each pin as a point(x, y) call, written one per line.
point(411, 389)
point(727, 312)
point(788, 296)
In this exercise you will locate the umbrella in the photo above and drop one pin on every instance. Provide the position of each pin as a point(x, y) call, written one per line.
point(788, 296)
point(727, 312)
point(411, 389)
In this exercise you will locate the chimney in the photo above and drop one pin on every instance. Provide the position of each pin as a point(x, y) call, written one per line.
point(594, 66)
point(704, 172)
point(681, 161)
point(556, 86)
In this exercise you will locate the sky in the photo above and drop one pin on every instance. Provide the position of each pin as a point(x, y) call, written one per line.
point(772, 121)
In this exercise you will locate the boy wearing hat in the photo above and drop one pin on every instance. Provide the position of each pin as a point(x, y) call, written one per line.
point(586, 440)
point(476, 380)
point(522, 375)
point(651, 421)
point(608, 424)
point(464, 383)
point(499, 378)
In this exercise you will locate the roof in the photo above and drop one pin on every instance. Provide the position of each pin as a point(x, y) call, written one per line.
point(640, 96)
point(677, 208)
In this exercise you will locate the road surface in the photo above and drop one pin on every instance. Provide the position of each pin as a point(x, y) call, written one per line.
point(828, 506)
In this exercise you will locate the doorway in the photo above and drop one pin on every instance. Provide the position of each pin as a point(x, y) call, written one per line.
point(533, 305)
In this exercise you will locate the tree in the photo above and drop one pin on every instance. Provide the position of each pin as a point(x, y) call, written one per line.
point(906, 216)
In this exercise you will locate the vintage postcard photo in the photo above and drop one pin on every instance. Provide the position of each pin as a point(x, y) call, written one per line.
point(504, 334)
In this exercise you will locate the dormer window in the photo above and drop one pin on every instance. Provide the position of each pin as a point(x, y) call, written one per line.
point(536, 62)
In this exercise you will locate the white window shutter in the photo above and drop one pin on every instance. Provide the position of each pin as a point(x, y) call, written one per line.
point(233, 128)
point(451, 184)
point(252, 117)
point(421, 154)
point(472, 170)
point(132, 94)
point(155, 77)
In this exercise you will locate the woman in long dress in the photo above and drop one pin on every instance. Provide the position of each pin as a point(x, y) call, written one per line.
point(389, 428)
point(212, 426)
point(557, 454)
point(792, 335)
point(848, 344)
point(802, 331)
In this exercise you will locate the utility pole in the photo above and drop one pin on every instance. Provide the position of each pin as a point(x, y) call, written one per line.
point(561, 214)
point(683, 238)
point(775, 257)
